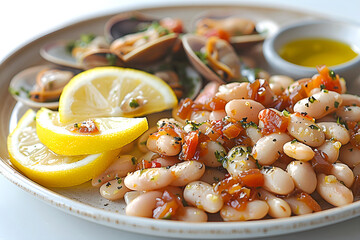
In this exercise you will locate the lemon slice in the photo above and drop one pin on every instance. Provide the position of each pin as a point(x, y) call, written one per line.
point(95, 135)
point(114, 92)
point(47, 168)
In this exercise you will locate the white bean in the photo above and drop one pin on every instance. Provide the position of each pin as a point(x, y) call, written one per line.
point(239, 160)
point(246, 110)
point(114, 189)
point(319, 104)
point(298, 151)
point(305, 130)
point(213, 175)
point(209, 158)
point(186, 172)
point(256, 209)
point(129, 196)
point(303, 175)
point(232, 91)
point(268, 149)
point(191, 214)
point(217, 115)
point(335, 131)
point(277, 180)
point(200, 116)
point(164, 144)
point(119, 168)
point(141, 142)
point(331, 148)
point(254, 134)
point(349, 113)
point(350, 100)
point(278, 208)
point(343, 173)
point(279, 83)
point(149, 179)
point(166, 161)
point(143, 205)
point(297, 206)
point(202, 195)
point(349, 155)
point(332, 191)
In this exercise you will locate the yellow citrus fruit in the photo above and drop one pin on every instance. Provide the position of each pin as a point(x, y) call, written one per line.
point(47, 168)
point(91, 136)
point(114, 92)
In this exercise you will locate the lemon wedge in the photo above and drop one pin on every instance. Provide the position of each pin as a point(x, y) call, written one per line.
point(91, 136)
point(47, 168)
point(114, 92)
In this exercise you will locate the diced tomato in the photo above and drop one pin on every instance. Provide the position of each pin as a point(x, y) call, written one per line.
point(218, 33)
point(167, 206)
point(326, 79)
point(320, 162)
point(232, 130)
point(144, 164)
point(252, 178)
point(309, 201)
point(273, 122)
point(257, 90)
point(354, 130)
point(356, 187)
point(185, 108)
point(190, 145)
point(174, 25)
point(215, 103)
point(233, 192)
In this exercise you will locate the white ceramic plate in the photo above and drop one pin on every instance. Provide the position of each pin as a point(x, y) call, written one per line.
point(85, 202)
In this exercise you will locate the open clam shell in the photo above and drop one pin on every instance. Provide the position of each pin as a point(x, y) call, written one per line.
point(126, 23)
point(25, 81)
point(151, 52)
point(193, 44)
point(262, 28)
point(56, 52)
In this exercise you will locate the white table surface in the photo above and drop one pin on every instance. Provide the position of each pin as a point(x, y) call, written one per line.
point(22, 216)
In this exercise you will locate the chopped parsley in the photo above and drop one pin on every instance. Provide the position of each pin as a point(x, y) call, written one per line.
point(285, 113)
point(293, 141)
point(312, 126)
point(111, 58)
point(312, 99)
point(221, 157)
point(202, 56)
point(336, 104)
point(133, 160)
point(332, 74)
point(134, 103)
point(14, 91)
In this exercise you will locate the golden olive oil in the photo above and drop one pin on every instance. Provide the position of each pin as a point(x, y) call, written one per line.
point(311, 52)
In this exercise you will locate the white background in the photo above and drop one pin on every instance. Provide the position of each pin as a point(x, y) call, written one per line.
point(22, 216)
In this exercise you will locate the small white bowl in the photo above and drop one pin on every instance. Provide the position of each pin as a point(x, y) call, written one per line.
point(340, 31)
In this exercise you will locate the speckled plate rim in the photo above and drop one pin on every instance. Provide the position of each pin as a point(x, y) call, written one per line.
point(210, 230)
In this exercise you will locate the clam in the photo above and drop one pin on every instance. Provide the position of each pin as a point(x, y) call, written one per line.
point(80, 54)
point(41, 86)
point(140, 40)
point(181, 77)
point(215, 59)
point(242, 32)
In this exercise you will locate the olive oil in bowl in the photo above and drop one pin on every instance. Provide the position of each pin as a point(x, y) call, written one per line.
point(311, 52)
